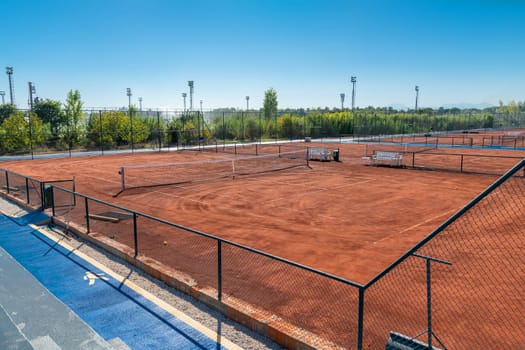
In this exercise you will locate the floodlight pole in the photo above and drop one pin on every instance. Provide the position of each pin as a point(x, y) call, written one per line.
point(353, 80)
point(342, 101)
point(247, 103)
point(140, 104)
point(184, 98)
point(9, 72)
point(128, 93)
point(2, 93)
point(32, 90)
point(190, 84)
point(417, 95)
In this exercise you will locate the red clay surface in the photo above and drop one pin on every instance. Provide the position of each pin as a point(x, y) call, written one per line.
point(343, 218)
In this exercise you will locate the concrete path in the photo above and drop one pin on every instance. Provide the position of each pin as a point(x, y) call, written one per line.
point(54, 298)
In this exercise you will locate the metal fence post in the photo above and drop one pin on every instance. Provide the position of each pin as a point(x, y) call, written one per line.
point(135, 234)
point(158, 131)
point(27, 190)
point(219, 270)
point(360, 320)
point(86, 206)
point(100, 132)
point(42, 204)
point(7, 182)
point(429, 305)
point(53, 201)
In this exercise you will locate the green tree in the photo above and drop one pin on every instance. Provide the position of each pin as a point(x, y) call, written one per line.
point(50, 112)
point(6, 110)
point(73, 116)
point(290, 125)
point(19, 134)
point(116, 129)
point(270, 103)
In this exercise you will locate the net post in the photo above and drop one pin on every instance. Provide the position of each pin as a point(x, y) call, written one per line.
point(219, 270)
point(86, 207)
point(461, 169)
point(233, 169)
point(122, 183)
point(308, 156)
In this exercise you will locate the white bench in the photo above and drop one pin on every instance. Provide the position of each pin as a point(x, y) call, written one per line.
point(319, 153)
point(394, 159)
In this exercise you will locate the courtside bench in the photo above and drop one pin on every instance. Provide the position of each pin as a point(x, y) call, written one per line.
point(319, 153)
point(391, 158)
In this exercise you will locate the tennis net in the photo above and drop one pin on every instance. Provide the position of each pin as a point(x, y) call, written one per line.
point(148, 175)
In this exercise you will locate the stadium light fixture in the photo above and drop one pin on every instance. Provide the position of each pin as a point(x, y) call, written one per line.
point(9, 72)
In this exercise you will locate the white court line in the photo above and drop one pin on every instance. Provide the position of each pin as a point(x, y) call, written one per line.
point(161, 303)
point(428, 220)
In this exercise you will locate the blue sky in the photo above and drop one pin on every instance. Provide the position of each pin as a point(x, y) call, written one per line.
point(457, 51)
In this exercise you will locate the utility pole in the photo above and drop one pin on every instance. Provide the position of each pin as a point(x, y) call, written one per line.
point(353, 80)
point(184, 98)
point(2, 93)
point(9, 72)
point(140, 104)
point(247, 103)
point(342, 101)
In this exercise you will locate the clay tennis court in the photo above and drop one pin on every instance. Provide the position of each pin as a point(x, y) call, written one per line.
point(343, 218)
point(339, 217)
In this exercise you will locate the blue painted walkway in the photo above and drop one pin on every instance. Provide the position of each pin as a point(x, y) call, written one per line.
point(109, 307)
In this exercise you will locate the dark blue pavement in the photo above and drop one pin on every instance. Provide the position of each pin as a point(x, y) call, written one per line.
point(109, 307)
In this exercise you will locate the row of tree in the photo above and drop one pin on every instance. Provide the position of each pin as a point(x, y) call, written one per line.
point(51, 125)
